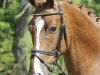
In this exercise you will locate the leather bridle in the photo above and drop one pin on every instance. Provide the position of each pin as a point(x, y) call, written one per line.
point(56, 53)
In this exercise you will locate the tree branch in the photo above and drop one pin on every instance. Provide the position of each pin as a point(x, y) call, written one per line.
point(22, 12)
point(4, 3)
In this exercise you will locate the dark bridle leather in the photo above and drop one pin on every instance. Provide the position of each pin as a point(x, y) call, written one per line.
point(56, 53)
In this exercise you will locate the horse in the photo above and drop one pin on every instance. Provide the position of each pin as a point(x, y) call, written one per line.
point(79, 41)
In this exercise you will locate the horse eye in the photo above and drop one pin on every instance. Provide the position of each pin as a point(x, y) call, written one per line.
point(52, 29)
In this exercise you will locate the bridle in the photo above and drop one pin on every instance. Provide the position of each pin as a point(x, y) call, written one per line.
point(56, 53)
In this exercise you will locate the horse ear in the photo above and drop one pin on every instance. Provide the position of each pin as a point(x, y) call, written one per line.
point(36, 3)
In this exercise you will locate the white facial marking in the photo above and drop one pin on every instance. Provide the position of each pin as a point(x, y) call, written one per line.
point(39, 22)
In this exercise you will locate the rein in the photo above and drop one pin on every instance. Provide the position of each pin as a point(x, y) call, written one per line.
point(56, 53)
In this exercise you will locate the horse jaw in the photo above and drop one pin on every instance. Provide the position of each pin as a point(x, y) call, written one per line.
point(38, 66)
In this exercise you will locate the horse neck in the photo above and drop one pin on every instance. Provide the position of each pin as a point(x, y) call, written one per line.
point(83, 31)
point(80, 23)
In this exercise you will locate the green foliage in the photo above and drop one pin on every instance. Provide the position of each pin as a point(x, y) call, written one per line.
point(94, 5)
point(5, 36)
point(7, 23)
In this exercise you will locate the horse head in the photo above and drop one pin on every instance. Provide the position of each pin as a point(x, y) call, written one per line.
point(45, 28)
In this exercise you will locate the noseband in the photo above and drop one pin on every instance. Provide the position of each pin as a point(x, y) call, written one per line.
point(56, 53)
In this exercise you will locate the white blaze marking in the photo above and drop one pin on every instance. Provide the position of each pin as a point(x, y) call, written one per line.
point(39, 22)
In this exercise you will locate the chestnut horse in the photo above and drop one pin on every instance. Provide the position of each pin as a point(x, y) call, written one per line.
point(81, 50)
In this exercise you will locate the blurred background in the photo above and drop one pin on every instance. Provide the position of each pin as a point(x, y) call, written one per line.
point(15, 39)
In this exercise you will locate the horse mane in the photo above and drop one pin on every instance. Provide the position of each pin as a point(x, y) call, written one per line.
point(87, 12)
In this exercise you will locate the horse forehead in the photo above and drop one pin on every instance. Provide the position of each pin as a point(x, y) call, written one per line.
point(39, 23)
point(53, 19)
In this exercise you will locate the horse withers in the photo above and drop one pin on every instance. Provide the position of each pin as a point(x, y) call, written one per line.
point(80, 49)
